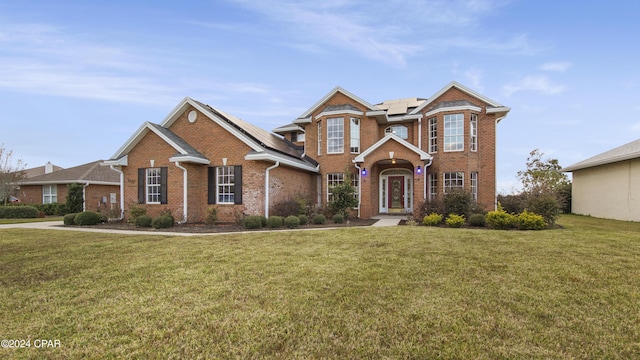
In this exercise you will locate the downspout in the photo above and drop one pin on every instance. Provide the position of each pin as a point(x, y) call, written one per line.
point(424, 182)
point(184, 192)
point(359, 187)
point(266, 188)
point(84, 197)
point(420, 133)
point(121, 191)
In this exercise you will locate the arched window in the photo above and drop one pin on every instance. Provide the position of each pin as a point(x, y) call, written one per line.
point(398, 130)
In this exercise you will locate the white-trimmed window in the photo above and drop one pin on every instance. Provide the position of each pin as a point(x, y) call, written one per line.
point(335, 179)
point(49, 194)
point(433, 185)
point(354, 144)
point(433, 135)
point(473, 129)
point(319, 137)
point(454, 132)
point(453, 181)
point(474, 186)
point(335, 136)
point(153, 185)
point(399, 130)
point(226, 185)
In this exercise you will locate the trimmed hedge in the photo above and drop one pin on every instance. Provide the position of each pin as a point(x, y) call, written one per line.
point(319, 219)
point(275, 221)
point(477, 220)
point(304, 219)
point(69, 219)
point(455, 221)
point(144, 221)
point(162, 221)
point(18, 212)
point(501, 219)
point(531, 221)
point(87, 218)
point(253, 222)
point(292, 221)
point(432, 219)
point(338, 219)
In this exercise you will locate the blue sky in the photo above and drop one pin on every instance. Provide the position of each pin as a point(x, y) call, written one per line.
point(77, 78)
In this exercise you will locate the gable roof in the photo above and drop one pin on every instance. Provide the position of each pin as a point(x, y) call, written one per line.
point(259, 140)
point(40, 170)
point(305, 117)
point(493, 106)
point(625, 152)
point(390, 136)
point(89, 173)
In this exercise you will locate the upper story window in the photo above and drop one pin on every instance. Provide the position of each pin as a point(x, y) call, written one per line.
point(454, 132)
point(399, 130)
point(354, 144)
point(319, 137)
point(297, 137)
point(433, 135)
point(49, 194)
point(473, 128)
point(335, 136)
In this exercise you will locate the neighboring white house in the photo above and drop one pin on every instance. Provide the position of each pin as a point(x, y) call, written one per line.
point(608, 185)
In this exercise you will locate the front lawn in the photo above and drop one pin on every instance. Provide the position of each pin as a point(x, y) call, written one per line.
point(22, 221)
point(398, 292)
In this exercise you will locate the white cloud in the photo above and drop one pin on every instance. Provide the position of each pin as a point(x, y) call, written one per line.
point(538, 83)
point(556, 66)
point(475, 78)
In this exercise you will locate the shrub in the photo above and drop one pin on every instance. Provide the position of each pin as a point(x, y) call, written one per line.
point(338, 218)
point(19, 212)
point(74, 198)
point(263, 220)
point(292, 221)
point(304, 219)
point(501, 219)
point(87, 218)
point(212, 215)
point(144, 221)
point(545, 204)
point(319, 219)
point(457, 202)
point(135, 211)
point(432, 219)
point(286, 208)
point(342, 200)
point(514, 203)
point(69, 219)
point(162, 221)
point(275, 221)
point(531, 221)
point(477, 220)
point(455, 221)
point(253, 222)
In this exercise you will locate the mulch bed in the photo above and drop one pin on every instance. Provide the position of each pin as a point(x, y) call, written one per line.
point(225, 227)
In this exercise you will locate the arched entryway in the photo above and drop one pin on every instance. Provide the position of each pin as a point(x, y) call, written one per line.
point(396, 191)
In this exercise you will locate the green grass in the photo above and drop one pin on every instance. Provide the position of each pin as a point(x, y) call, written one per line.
point(400, 292)
point(21, 221)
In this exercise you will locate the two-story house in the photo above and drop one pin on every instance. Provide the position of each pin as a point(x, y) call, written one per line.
point(398, 154)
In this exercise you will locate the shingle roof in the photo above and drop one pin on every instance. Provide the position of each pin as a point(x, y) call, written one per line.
point(40, 170)
point(263, 137)
point(91, 172)
point(625, 152)
point(190, 150)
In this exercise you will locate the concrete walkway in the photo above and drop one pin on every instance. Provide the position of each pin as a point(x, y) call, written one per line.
point(383, 220)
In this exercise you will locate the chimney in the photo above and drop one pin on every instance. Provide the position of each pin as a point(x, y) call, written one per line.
point(48, 167)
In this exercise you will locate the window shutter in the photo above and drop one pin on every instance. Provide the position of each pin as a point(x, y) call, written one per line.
point(237, 190)
point(211, 184)
point(163, 185)
point(141, 185)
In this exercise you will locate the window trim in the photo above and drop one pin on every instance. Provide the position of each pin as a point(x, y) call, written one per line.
point(227, 172)
point(354, 135)
point(473, 183)
point(432, 124)
point(157, 186)
point(447, 178)
point(389, 130)
point(50, 195)
point(458, 136)
point(319, 137)
point(473, 132)
point(335, 135)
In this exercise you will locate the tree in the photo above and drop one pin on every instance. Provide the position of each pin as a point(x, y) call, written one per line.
point(11, 173)
point(544, 186)
point(342, 196)
point(74, 198)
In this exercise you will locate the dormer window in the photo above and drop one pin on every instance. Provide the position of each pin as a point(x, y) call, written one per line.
point(398, 130)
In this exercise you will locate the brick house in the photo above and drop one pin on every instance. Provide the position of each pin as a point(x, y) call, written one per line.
point(100, 186)
point(399, 153)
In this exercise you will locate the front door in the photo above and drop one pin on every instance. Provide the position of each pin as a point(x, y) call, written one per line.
point(396, 194)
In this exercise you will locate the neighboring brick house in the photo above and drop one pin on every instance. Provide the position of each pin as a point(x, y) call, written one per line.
point(100, 186)
point(400, 152)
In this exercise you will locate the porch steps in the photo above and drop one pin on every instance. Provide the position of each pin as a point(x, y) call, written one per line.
point(387, 220)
